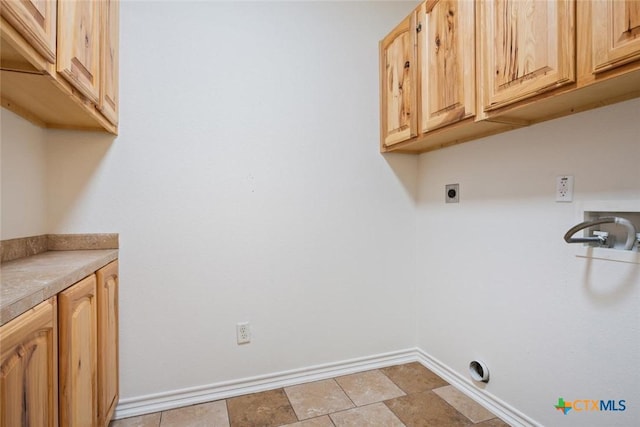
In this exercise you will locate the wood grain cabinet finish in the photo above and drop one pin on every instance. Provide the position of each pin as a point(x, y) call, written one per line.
point(59, 360)
point(446, 55)
point(79, 32)
point(76, 86)
point(35, 20)
point(527, 47)
point(398, 90)
point(616, 33)
point(535, 60)
point(29, 369)
point(108, 391)
point(109, 57)
point(78, 385)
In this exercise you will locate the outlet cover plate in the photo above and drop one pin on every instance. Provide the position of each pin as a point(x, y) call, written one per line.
point(452, 193)
point(564, 188)
point(243, 333)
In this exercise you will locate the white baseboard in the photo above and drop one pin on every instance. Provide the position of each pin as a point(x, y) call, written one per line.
point(506, 412)
point(151, 403)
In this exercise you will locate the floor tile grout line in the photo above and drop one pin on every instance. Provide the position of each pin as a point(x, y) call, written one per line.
point(284, 390)
point(406, 393)
point(383, 374)
point(314, 418)
point(392, 411)
point(345, 392)
point(328, 414)
point(226, 407)
point(364, 406)
point(428, 390)
point(355, 406)
point(460, 412)
point(454, 408)
point(370, 403)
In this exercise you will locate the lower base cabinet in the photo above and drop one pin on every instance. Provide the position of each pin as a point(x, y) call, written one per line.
point(29, 368)
point(59, 360)
point(108, 392)
point(78, 354)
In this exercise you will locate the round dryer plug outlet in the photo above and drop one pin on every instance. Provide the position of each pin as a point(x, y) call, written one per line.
point(452, 193)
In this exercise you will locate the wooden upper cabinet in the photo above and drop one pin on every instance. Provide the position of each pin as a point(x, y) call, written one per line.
point(28, 368)
point(79, 45)
point(35, 20)
point(398, 89)
point(527, 47)
point(485, 67)
point(109, 56)
point(78, 354)
point(107, 278)
point(60, 62)
point(446, 55)
point(616, 33)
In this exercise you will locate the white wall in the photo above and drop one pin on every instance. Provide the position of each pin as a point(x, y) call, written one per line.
point(23, 177)
point(246, 185)
point(496, 280)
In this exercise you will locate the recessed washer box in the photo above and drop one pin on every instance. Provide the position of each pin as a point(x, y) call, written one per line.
point(591, 210)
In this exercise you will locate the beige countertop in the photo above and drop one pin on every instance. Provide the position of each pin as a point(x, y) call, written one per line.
point(26, 282)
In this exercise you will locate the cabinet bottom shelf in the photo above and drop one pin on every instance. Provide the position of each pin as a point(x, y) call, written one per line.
point(37, 98)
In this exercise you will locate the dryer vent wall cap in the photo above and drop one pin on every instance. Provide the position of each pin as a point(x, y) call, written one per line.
point(479, 371)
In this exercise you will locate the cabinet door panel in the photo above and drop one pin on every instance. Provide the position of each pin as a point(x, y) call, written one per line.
point(109, 55)
point(78, 348)
point(35, 20)
point(29, 369)
point(107, 341)
point(79, 45)
point(447, 58)
point(398, 81)
point(528, 47)
point(616, 33)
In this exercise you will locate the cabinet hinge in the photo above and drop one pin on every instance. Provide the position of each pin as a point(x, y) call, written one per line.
point(419, 27)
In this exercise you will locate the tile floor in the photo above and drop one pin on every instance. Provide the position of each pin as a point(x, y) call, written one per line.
point(404, 395)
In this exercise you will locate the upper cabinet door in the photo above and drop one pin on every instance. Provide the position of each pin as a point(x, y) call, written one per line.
point(447, 62)
point(616, 33)
point(109, 55)
point(398, 83)
point(79, 45)
point(35, 20)
point(527, 47)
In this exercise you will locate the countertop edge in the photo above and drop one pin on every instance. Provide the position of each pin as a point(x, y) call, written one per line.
point(37, 291)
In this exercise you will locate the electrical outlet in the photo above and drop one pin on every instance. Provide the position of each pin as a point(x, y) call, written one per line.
point(564, 188)
point(452, 193)
point(243, 333)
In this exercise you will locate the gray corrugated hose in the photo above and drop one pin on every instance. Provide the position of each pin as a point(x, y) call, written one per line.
point(631, 231)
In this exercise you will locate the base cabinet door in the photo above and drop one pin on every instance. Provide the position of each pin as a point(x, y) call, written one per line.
point(107, 342)
point(616, 33)
point(28, 368)
point(527, 48)
point(78, 354)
